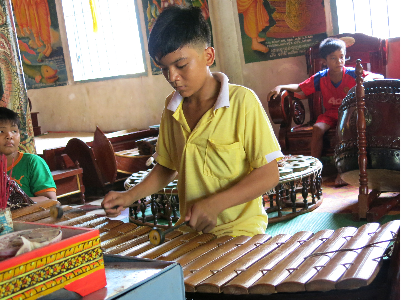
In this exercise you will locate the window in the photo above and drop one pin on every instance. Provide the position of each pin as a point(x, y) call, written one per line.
point(378, 18)
point(115, 49)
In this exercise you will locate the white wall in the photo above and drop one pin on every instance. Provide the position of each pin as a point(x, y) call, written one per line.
point(138, 102)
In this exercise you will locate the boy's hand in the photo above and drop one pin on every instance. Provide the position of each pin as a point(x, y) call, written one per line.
point(202, 216)
point(274, 93)
point(114, 203)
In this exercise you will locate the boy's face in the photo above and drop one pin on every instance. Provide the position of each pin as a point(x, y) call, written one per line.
point(9, 138)
point(186, 68)
point(336, 60)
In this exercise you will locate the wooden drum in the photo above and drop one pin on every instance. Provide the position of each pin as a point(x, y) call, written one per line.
point(382, 115)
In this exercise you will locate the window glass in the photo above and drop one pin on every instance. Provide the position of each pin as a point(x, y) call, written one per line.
point(378, 18)
point(104, 38)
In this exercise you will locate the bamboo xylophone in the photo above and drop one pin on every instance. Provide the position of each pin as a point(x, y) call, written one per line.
point(346, 258)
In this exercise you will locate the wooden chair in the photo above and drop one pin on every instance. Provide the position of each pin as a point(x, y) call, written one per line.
point(83, 153)
point(98, 162)
point(295, 136)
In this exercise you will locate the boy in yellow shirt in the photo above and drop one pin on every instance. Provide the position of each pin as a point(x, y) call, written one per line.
point(215, 137)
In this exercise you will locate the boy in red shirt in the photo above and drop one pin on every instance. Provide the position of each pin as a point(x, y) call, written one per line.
point(334, 84)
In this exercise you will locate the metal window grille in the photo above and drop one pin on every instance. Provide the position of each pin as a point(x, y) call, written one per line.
point(378, 18)
point(114, 50)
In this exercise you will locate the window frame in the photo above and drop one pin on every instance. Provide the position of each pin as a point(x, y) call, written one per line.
point(68, 59)
point(335, 20)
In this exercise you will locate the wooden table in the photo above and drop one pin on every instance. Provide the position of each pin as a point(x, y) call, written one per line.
point(299, 174)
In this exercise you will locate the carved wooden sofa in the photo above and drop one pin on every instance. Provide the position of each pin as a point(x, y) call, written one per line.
point(290, 113)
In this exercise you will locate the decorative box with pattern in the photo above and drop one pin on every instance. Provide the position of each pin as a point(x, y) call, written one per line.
point(75, 263)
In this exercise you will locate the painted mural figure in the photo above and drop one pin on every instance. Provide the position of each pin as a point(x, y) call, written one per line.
point(34, 16)
point(256, 19)
point(154, 8)
point(14, 94)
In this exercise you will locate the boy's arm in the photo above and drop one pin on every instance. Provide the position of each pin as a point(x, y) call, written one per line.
point(156, 180)
point(276, 90)
point(202, 216)
point(44, 196)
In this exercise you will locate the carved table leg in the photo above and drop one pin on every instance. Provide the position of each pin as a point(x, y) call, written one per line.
point(293, 197)
point(312, 187)
point(305, 192)
point(279, 189)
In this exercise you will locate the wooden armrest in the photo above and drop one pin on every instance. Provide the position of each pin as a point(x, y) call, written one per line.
point(67, 163)
point(287, 106)
point(59, 174)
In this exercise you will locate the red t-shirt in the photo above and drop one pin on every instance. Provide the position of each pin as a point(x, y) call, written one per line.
point(332, 94)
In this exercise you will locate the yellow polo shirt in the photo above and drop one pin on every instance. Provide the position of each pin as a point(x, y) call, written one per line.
point(230, 140)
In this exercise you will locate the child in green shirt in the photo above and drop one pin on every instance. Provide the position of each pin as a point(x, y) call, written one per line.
point(29, 171)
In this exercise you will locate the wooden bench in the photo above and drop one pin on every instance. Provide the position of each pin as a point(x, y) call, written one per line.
point(69, 182)
point(95, 175)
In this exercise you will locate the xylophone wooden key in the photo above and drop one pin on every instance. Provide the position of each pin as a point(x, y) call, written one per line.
point(241, 283)
point(218, 264)
point(327, 277)
point(118, 231)
point(192, 244)
point(126, 241)
point(310, 267)
point(202, 250)
point(146, 245)
point(368, 262)
point(267, 283)
point(214, 283)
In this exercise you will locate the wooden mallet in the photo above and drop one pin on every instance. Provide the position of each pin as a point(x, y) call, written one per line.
point(56, 212)
point(157, 236)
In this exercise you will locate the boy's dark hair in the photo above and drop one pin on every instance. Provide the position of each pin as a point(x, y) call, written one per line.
point(7, 115)
point(175, 27)
point(329, 45)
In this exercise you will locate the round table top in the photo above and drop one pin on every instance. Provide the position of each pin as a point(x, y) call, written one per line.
point(291, 167)
point(135, 178)
point(294, 167)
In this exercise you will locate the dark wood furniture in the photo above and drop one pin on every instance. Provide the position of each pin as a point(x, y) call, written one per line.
point(120, 142)
point(34, 118)
point(98, 162)
point(368, 150)
point(69, 181)
point(97, 158)
point(294, 135)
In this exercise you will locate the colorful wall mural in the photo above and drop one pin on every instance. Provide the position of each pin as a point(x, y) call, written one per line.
point(152, 9)
point(39, 42)
point(274, 29)
point(13, 93)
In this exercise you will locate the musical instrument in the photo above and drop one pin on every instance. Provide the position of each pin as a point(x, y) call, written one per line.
point(346, 258)
point(163, 204)
point(299, 176)
point(157, 236)
point(382, 118)
point(327, 261)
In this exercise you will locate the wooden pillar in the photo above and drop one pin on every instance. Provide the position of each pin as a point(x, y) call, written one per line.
point(13, 94)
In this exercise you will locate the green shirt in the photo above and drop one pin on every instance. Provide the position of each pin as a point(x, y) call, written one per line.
point(32, 174)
